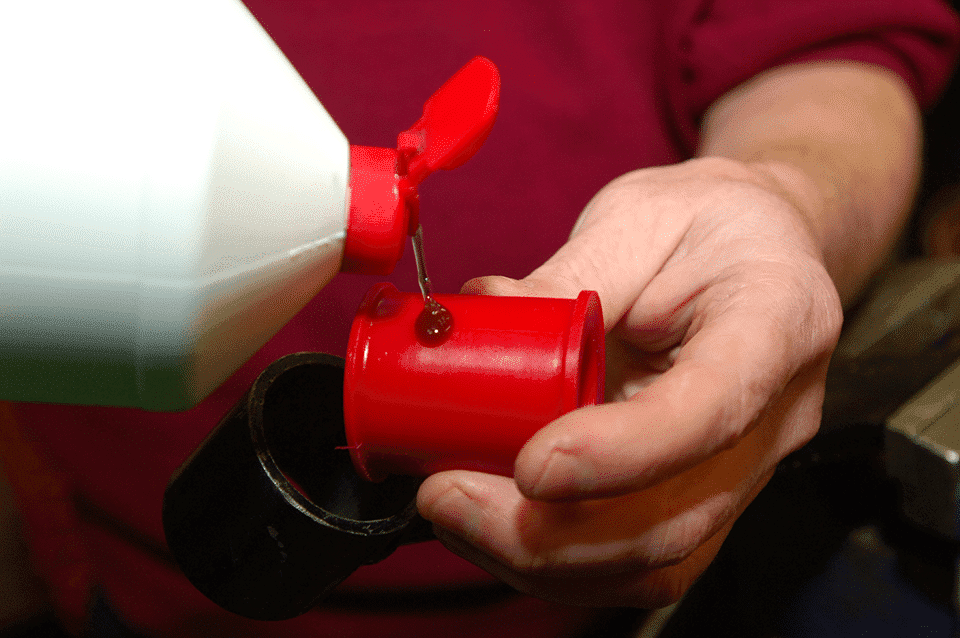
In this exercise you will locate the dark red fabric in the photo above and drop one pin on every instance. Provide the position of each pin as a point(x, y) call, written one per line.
point(591, 89)
point(719, 43)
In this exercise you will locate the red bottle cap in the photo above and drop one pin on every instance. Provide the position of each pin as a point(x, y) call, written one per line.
point(509, 366)
point(384, 205)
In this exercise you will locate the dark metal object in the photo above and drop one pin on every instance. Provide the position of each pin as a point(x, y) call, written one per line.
point(905, 334)
point(268, 515)
point(923, 455)
point(897, 367)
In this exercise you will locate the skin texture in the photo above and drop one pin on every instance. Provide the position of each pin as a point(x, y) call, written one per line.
point(722, 281)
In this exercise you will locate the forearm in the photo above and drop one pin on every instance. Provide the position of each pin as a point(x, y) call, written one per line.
point(843, 140)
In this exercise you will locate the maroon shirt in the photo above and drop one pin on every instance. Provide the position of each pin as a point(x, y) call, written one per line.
point(590, 90)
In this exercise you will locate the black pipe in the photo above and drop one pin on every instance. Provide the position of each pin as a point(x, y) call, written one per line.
point(268, 515)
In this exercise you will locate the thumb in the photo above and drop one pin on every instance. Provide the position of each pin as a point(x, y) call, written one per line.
point(570, 270)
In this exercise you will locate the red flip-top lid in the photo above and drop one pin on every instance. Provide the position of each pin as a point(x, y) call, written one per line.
point(384, 205)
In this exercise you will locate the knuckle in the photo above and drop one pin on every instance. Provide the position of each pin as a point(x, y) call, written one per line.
point(679, 538)
point(745, 396)
point(832, 316)
point(820, 317)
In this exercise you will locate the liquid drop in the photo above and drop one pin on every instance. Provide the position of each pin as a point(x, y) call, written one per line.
point(434, 323)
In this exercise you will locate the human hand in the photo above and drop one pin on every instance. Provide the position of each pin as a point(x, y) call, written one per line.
point(721, 319)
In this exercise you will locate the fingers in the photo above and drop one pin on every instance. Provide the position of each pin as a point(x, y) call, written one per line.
point(645, 589)
point(583, 538)
point(745, 343)
point(731, 372)
point(641, 550)
point(602, 254)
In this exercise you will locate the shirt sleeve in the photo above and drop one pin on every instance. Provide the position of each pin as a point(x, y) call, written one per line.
point(714, 45)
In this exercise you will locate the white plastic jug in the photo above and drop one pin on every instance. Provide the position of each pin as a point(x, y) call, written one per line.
point(171, 193)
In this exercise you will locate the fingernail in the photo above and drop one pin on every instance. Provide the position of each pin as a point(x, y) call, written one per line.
point(562, 474)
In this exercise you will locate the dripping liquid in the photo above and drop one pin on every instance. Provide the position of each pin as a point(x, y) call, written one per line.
point(434, 323)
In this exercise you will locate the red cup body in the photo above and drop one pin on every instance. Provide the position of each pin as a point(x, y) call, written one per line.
point(509, 366)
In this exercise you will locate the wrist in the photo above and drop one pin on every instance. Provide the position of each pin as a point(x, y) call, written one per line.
point(814, 194)
point(843, 140)
point(821, 201)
